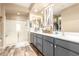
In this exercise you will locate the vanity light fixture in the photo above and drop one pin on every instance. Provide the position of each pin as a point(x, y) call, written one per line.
point(59, 18)
point(35, 10)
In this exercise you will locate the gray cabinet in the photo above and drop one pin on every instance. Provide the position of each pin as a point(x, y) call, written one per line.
point(59, 51)
point(34, 40)
point(39, 44)
point(50, 46)
point(31, 37)
point(66, 48)
point(50, 39)
point(47, 48)
point(67, 44)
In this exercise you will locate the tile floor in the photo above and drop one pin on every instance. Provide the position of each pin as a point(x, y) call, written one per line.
point(20, 51)
point(28, 50)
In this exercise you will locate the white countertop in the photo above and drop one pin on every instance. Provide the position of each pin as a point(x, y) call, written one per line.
point(69, 36)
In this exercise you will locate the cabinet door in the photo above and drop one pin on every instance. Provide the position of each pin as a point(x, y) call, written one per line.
point(31, 37)
point(59, 51)
point(68, 44)
point(34, 40)
point(47, 48)
point(39, 44)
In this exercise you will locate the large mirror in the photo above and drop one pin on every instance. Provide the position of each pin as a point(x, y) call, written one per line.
point(66, 17)
point(36, 22)
point(57, 23)
point(48, 20)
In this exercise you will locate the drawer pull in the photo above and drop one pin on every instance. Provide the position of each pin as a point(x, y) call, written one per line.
point(55, 46)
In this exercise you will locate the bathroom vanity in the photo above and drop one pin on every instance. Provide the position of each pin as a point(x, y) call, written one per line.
point(54, 44)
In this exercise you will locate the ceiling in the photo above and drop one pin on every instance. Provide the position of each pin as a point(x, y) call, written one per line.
point(14, 8)
point(26, 5)
point(59, 7)
point(38, 7)
point(25, 8)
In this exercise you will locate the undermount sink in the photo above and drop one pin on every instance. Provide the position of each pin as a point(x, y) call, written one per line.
point(58, 33)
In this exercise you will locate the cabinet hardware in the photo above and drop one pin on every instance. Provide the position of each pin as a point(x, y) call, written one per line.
point(55, 46)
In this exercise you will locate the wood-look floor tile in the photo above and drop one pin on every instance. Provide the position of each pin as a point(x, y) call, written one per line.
point(11, 53)
point(20, 51)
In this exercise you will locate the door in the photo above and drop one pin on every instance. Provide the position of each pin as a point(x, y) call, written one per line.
point(10, 31)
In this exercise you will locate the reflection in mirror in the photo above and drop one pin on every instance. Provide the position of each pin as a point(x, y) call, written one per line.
point(57, 23)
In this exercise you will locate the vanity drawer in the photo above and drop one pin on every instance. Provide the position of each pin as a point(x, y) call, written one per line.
point(50, 39)
point(39, 35)
point(34, 34)
point(67, 44)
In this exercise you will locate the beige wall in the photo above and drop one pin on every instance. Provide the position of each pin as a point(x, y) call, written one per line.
point(1, 18)
point(16, 17)
point(2, 24)
point(70, 19)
